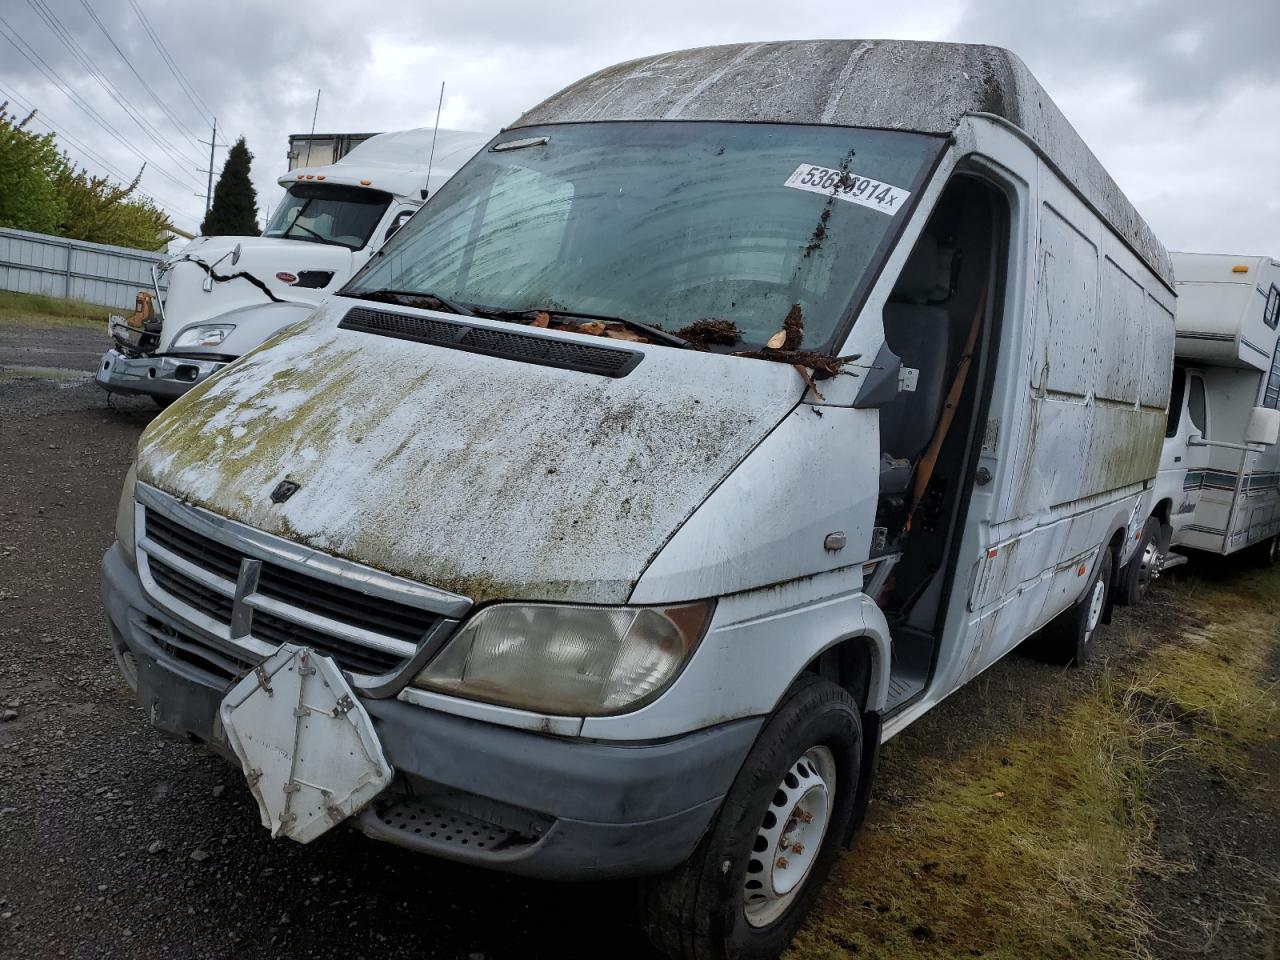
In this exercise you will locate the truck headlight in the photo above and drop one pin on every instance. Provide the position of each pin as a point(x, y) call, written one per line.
point(203, 335)
point(577, 661)
point(124, 515)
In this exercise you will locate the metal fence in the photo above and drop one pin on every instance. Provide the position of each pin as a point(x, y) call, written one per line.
point(74, 269)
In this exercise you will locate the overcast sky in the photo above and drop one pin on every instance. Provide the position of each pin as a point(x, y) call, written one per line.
point(1179, 98)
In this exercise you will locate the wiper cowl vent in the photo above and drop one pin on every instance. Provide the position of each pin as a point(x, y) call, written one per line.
point(510, 345)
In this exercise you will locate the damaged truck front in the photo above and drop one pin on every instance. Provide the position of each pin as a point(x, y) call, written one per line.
point(726, 413)
point(220, 297)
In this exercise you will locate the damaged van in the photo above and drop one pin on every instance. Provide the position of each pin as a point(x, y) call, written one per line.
point(726, 413)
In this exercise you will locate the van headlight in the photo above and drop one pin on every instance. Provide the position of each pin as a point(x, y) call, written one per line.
point(124, 515)
point(202, 335)
point(575, 661)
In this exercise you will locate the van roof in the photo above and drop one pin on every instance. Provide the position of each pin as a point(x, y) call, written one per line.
point(888, 84)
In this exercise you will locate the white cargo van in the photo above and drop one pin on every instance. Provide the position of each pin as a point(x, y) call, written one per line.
point(1218, 489)
point(729, 411)
point(220, 297)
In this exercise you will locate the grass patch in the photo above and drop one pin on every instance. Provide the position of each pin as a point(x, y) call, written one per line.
point(1019, 849)
point(1031, 847)
point(37, 309)
point(1219, 681)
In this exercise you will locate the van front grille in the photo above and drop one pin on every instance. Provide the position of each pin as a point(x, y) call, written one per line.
point(252, 588)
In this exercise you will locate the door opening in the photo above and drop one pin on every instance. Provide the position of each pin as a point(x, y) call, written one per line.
point(940, 320)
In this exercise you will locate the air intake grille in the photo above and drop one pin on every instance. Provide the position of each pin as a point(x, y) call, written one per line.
point(510, 345)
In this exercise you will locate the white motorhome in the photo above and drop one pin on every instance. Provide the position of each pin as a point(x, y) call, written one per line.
point(729, 411)
point(219, 297)
point(1219, 484)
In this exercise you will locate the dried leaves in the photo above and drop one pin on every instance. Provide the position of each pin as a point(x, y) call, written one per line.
point(784, 347)
point(705, 332)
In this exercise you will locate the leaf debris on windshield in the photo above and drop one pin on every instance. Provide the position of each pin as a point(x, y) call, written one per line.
point(707, 331)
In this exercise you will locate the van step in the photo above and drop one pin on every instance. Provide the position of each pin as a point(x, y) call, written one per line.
point(1172, 560)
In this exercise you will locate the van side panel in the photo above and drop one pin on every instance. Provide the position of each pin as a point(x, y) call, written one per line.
point(1096, 388)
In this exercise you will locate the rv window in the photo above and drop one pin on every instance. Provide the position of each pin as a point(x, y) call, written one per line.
point(1177, 389)
point(1272, 315)
point(1195, 405)
point(667, 223)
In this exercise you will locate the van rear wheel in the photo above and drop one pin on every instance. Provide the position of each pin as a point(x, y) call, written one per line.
point(749, 883)
point(1068, 638)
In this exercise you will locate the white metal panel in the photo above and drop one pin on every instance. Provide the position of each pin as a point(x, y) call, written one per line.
point(74, 269)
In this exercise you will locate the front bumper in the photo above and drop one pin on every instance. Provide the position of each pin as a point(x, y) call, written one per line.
point(471, 791)
point(162, 375)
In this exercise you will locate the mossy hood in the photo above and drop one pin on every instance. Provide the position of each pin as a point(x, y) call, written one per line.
point(490, 477)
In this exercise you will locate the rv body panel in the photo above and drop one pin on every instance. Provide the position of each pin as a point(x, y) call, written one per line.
point(1228, 314)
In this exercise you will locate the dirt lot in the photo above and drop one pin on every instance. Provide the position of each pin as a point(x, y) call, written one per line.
point(1128, 809)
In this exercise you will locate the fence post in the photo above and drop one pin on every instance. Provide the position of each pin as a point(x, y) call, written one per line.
point(66, 277)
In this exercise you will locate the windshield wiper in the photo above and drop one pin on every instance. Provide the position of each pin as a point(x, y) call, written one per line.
point(421, 299)
point(318, 237)
point(528, 316)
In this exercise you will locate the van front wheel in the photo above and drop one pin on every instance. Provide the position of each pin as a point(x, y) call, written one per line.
point(749, 883)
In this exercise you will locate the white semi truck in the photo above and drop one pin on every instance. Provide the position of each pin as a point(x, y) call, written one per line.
point(220, 297)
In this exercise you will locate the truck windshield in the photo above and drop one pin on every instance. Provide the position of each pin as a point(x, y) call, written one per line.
point(328, 213)
point(665, 223)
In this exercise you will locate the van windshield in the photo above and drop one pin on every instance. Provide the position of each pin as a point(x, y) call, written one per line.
point(665, 223)
point(328, 213)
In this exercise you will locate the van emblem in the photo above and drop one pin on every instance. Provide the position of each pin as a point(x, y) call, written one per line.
point(284, 277)
point(284, 490)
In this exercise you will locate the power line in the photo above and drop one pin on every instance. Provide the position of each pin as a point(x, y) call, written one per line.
point(201, 107)
point(141, 79)
point(53, 77)
point(47, 121)
point(95, 72)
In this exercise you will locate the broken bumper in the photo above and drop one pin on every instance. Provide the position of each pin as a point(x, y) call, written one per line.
point(472, 791)
point(166, 377)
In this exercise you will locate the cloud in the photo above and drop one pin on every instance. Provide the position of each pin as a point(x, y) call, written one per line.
point(1170, 95)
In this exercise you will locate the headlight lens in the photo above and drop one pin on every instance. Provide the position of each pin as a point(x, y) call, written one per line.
point(576, 661)
point(206, 335)
point(124, 515)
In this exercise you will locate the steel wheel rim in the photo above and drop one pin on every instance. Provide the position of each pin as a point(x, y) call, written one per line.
point(1148, 567)
point(790, 837)
point(1097, 600)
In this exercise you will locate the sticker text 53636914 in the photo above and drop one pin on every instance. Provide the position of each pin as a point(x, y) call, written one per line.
point(852, 187)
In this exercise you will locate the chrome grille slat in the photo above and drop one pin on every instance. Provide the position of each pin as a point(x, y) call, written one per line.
point(252, 591)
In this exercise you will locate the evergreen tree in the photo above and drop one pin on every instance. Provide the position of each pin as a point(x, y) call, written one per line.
point(234, 212)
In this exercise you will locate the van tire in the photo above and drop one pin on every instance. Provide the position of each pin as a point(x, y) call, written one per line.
point(1069, 637)
point(699, 911)
point(1144, 567)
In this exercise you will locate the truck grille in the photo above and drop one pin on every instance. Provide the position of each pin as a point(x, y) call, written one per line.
point(256, 587)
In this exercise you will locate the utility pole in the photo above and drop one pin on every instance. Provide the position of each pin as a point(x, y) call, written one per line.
point(212, 142)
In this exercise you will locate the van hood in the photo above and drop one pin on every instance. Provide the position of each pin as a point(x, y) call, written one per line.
point(263, 258)
point(489, 477)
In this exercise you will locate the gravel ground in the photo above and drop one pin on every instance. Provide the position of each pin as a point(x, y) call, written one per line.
point(116, 843)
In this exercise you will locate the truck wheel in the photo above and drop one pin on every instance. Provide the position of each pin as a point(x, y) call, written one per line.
point(1068, 638)
point(750, 881)
point(1144, 568)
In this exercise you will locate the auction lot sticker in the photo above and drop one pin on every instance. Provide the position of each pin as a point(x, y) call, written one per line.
point(851, 187)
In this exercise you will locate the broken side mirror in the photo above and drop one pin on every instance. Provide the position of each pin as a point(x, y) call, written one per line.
point(1264, 427)
point(880, 385)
